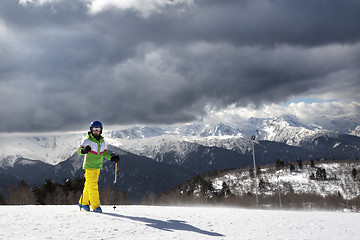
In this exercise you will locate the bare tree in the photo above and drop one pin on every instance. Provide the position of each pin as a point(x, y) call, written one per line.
point(20, 194)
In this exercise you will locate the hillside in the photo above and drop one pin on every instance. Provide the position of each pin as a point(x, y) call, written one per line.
point(330, 185)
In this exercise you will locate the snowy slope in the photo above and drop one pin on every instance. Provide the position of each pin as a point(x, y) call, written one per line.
point(49, 148)
point(339, 180)
point(155, 222)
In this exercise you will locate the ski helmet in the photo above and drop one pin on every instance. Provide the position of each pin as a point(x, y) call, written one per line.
point(96, 124)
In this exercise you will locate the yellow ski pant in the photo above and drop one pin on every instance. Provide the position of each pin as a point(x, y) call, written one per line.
point(90, 194)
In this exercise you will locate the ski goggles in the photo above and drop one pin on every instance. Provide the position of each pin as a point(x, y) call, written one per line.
point(96, 129)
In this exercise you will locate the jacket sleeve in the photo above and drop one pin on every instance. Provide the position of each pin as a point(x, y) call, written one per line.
point(79, 151)
point(107, 155)
point(82, 145)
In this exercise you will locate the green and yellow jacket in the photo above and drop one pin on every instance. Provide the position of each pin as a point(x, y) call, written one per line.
point(94, 158)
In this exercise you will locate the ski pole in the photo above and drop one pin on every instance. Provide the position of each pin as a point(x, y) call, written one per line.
point(115, 185)
point(82, 193)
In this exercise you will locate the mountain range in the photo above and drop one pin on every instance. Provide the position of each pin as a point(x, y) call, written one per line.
point(155, 159)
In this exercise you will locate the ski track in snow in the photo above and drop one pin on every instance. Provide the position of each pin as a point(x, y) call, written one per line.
point(155, 222)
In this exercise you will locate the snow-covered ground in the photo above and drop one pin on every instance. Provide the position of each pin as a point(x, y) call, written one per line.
point(154, 222)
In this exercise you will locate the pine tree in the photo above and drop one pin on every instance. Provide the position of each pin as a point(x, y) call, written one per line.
point(354, 173)
point(258, 170)
point(39, 195)
point(56, 193)
point(2, 201)
point(261, 184)
point(312, 163)
point(312, 176)
point(251, 172)
point(279, 164)
point(48, 186)
point(321, 174)
point(225, 191)
point(292, 168)
point(78, 184)
point(67, 185)
point(318, 174)
point(299, 162)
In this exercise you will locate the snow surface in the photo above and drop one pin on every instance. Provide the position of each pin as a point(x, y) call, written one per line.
point(155, 222)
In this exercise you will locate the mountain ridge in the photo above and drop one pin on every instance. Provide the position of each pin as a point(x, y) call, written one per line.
point(151, 156)
point(149, 141)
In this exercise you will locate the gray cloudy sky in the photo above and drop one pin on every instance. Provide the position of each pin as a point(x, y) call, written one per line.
point(66, 63)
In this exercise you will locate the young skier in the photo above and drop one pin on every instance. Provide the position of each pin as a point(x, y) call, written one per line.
point(94, 149)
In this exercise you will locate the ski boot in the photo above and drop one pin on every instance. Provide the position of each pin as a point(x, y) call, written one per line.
point(98, 210)
point(85, 207)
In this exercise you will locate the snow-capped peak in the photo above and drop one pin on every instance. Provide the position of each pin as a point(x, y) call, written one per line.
point(355, 132)
point(150, 141)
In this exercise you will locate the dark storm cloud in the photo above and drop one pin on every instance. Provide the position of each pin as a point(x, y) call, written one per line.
point(61, 66)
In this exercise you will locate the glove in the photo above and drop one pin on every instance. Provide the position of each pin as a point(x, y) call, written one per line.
point(114, 158)
point(86, 149)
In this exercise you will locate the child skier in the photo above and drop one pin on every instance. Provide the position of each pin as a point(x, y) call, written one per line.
point(94, 149)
